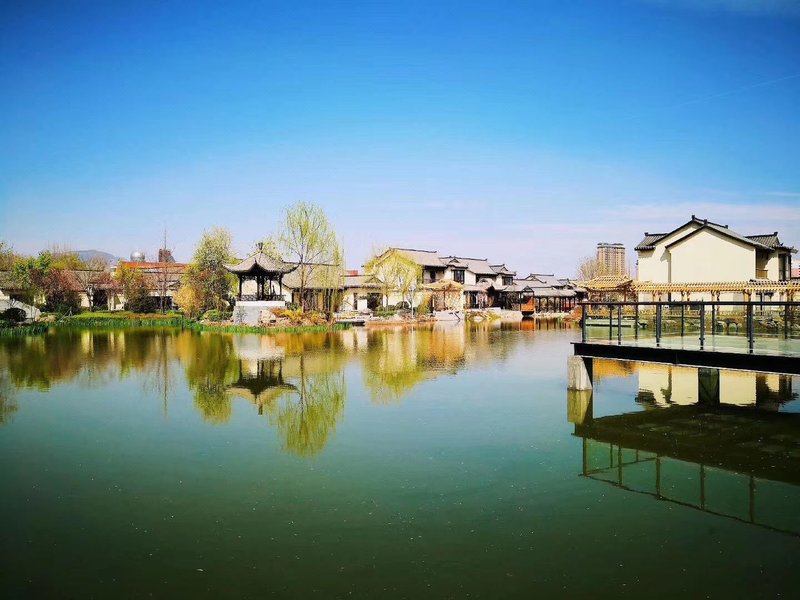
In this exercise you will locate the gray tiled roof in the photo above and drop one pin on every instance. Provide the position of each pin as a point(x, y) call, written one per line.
point(479, 266)
point(502, 270)
point(360, 281)
point(732, 234)
point(424, 258)
point(770, 240)
point(650, 240)
point(261, 262)
point(550, 280)
point(763, 242)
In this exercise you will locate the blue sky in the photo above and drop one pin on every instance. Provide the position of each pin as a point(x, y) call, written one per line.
point(524, 132)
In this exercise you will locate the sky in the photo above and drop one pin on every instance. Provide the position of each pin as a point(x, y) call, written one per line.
point(521, 132)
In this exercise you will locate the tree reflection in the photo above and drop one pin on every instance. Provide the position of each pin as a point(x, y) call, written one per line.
point(295, 381)
point(8, 404)
point(210, 365)
point(397, 361)
point(306, 418)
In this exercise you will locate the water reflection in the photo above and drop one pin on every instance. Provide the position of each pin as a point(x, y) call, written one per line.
point(736, 459)
point(295, 382)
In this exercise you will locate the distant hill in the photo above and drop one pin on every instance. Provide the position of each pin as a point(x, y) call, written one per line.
point(87, 255)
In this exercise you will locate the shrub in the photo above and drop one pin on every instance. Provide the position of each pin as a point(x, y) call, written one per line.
point(295, 316)
point(292, 306)
point(13, 315)
point(424, 307)
point(217, 315)
point(316, 318)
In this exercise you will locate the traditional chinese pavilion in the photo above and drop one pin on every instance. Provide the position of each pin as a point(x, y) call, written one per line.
point(267, 273)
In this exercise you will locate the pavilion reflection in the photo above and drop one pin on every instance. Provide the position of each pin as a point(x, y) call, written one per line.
point(301, 392)
point(295, 381)
point(737, 459)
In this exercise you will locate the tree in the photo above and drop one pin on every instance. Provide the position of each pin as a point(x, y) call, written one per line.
point(60, 291)
point(330, 281)
point(589, 268)
point(30, 276)
point(308, 239)
point(134, 286)
point(306, 420)
point(164, 277)
point(212, 283)
point(92, 274)
point(66, 260)
point(396, 272)
point(7, 256)
point(188, 297)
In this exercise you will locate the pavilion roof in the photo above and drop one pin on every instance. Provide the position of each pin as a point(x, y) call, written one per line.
point(261, 263)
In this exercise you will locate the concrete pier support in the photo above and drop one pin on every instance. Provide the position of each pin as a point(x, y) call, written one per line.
point(579, 407)
point(708, 386)
point(579, 373)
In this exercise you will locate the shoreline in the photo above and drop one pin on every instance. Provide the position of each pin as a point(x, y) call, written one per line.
point(157, 322)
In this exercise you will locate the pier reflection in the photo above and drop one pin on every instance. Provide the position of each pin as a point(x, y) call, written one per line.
point(739, 459)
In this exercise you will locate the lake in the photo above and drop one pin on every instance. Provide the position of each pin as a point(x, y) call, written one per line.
point(445, 462)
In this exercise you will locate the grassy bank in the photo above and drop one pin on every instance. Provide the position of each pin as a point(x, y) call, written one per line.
point(124, 319)
point(225, 328)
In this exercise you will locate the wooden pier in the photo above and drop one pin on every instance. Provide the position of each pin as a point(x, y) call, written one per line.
point(756, 336)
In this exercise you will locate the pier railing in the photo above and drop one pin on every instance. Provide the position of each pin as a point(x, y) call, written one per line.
point(691, 322)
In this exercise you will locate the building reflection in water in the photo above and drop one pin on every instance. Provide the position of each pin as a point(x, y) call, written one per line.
point(295, 381)
point(739, 459)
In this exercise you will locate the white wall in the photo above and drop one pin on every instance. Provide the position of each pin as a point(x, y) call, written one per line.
point(711, 256)
point(653, 265)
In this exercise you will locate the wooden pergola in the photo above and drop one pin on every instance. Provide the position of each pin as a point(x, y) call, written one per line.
point(265, 270)
point(749, 289)
point(610, 287)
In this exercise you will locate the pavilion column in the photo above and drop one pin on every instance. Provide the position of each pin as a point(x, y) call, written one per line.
point(240, 287)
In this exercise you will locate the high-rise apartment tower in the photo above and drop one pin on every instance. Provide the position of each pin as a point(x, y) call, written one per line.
point(611, 258)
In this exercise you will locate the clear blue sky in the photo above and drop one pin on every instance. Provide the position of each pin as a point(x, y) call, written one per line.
point(524, 132)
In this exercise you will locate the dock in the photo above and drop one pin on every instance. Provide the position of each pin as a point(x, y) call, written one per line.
point(757, 336)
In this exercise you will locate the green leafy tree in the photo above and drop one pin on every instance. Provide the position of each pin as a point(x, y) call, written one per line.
point(30, 276)
point(306, 419)
point(134, 286)
point(8, 257)
point(211, 282)
point(308, 239)
point(396, 272)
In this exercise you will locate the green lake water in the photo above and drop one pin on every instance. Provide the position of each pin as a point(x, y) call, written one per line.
point(448, 462)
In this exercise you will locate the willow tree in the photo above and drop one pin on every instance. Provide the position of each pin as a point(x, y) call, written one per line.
point(308, 239)
point(396, 273)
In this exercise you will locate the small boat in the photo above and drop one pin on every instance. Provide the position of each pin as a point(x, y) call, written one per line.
point(352, 320)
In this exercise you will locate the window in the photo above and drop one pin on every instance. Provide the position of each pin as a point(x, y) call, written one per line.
point(458, 275)
point(508, 280)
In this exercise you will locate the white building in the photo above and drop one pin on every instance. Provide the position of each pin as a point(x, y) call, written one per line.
point(700, 251)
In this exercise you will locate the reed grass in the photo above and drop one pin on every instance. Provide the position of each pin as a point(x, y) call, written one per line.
point(32, 329)
point(115, 321)
point(194, 326)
